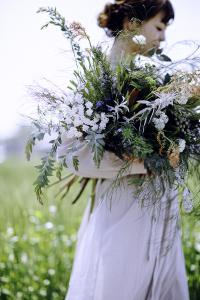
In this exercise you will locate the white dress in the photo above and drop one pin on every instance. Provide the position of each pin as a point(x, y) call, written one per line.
point(125, 251)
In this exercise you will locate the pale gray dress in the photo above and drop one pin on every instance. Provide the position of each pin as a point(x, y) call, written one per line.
point(126, 252)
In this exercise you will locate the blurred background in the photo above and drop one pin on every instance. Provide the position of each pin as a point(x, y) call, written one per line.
point(37, 241)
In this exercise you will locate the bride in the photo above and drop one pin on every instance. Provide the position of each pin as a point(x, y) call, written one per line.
point(128, 252)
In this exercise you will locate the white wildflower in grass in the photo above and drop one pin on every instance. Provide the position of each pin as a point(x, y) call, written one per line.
point(11, 257)
point(46, 282)
point(181, 145)
point(51, 272)
point(197, 247)
point(161, 121)
point(48, 225)
point(24, 258)
point(42, 292)
point(10, 231)
point(139, 39)
point(52, 209)
point(14, 239)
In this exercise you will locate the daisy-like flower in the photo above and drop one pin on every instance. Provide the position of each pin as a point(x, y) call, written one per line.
point(139, 39)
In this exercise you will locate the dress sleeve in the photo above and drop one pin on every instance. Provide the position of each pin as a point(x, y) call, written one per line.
point(109, 167)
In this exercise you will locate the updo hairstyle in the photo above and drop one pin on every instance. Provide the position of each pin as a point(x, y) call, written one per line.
point(113, 15)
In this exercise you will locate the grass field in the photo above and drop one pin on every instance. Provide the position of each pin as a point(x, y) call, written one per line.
point(37, 242)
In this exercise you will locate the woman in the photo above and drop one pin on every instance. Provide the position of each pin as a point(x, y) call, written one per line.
point(127, 252)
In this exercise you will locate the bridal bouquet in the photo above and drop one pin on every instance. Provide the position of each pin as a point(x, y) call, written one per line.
point(136, 110)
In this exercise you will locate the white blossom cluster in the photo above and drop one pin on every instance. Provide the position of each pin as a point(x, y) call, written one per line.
point(161, 120)
point(162, 101)
point(80, 117)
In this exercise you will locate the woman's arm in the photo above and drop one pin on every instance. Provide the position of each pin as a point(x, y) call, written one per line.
point(109, 167)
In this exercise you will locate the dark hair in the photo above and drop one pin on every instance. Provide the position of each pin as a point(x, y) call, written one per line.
point(113, 15)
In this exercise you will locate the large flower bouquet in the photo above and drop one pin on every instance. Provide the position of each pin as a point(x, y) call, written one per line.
point(137, 111)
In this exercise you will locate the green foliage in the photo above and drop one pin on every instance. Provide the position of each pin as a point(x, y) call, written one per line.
point(60, 166)
point(96, 143)
point(46, 169)
point(140, 148)
point(75, 162)
point(31, 142)
point(57, 20)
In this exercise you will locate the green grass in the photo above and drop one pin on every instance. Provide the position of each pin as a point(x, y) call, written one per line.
point(37, 242)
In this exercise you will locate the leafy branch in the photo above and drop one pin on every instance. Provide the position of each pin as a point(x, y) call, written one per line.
point(97, 144)
point(46, 169)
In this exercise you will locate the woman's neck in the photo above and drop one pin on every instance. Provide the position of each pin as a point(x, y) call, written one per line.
point(123, 49)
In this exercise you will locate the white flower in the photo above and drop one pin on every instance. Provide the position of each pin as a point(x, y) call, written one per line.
point(86, 121)
point(102, 125)
point(89, 104)
point(89, 112)
point(14, 239)
point(80, 109)
point(85, 128)
point(51, 272)
point(48, 225)
point(52, 209)
point(104, 118)
point(139, 39)
point(68, 120)
point(95, 127)
point(181, 145)
point(74, 110)
point(79, 134)
point(73, 132)
point(10, 231)
point(197, 247)
point(161, 121)
point(79, 99)
point(77, 121)
point(24, 258)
